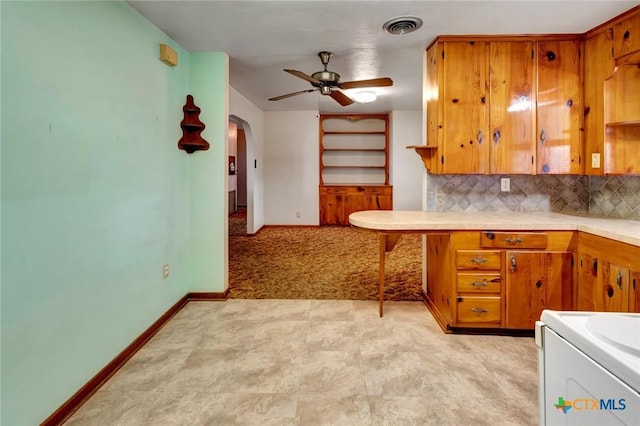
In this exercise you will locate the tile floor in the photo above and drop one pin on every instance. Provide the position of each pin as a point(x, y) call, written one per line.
point(318, 362)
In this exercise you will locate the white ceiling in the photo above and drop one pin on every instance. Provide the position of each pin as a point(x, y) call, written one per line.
point(263, 37)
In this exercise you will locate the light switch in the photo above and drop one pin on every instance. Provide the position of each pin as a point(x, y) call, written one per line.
point(595, 160)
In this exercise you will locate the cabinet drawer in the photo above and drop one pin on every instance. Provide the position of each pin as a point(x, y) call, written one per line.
point(335, 190)
point(377, 190)
point(530, 240)
point(478, 309)
point(478, 260)
point(478, 283)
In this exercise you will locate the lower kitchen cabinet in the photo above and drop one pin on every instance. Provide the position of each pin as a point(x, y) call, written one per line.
point(608, 277)
point(536, 281)
point(498, 280)
point(338, 202)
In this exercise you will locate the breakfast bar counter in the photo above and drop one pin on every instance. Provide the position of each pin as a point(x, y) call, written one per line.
point(391, 224)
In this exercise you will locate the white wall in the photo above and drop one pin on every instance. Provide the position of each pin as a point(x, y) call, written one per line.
point(407, 170)
point(291, 167)
point(232, 140)
point(253, 118)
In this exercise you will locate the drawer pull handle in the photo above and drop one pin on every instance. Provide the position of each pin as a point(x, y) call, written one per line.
point(479, 284)
point(478, 260)
point(510, 240)
point(479, 310)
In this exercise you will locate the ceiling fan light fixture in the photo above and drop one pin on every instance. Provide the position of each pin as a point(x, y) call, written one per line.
point(402, 25)
point(365, 96)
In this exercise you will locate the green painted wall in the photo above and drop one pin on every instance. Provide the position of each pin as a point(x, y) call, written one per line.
point(209, 87)
point(95, 194)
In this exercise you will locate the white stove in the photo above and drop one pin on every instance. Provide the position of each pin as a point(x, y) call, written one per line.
point(589, 368)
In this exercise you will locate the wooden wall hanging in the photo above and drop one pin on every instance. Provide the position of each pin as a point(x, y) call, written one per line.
point(192, 127)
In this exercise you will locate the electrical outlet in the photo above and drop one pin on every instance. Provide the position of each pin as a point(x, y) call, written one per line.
point(165, 270)
point(595, 160)
point(298, 215)
point(505, 184)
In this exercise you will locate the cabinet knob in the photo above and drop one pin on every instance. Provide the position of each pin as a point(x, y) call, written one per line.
point(514, 264)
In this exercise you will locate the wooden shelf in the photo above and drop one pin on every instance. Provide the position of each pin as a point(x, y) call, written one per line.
point(628, 123)
point(354, 167)
point(336, 132)
point(421, 147)
point(355, 149)
point(191, 140)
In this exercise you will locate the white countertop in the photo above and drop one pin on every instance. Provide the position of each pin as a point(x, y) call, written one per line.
point(626, 231)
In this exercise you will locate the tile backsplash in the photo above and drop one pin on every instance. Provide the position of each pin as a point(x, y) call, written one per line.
point(615, 196)
point(612, 196)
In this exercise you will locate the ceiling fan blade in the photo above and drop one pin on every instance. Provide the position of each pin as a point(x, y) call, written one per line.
point(374, 82)
point(303, 76)
point(288, 95)
point(341, 98)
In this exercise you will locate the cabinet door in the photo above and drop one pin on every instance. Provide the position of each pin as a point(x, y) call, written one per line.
point(434, 116)
point(332, 209)
point(512, 107)
point(464, 105)
point(536, 281)
point(614, 292)
point(559, 147)
point(587, 283)
point(634, 297)
point(598, 66)
point(626, 35)
point(354, 202)
point(439, 284)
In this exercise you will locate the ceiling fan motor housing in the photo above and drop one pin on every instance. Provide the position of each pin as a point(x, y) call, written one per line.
point(327, 77)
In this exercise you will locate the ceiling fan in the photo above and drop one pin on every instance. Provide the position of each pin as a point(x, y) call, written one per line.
point(326, 82)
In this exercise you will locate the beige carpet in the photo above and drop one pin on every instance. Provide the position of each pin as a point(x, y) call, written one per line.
point(319, 263)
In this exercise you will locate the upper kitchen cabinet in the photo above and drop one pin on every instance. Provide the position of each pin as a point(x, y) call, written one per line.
point(512, 107)
point(560, 110)
point(626, 35)
point(599, 65)
point(463, 107)
point(487, 113)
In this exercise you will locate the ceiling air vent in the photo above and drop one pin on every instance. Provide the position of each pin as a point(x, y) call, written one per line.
point(402, 25)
